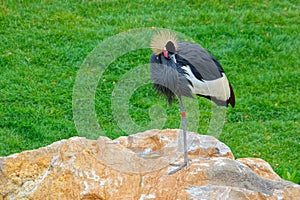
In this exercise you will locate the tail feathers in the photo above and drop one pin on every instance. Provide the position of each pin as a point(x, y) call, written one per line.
point(231, 99)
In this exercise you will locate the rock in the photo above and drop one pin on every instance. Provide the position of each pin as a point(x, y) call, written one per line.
point(136, 167)
point(261, 168)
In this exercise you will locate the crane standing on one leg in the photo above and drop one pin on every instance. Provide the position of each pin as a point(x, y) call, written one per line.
point(183, 69)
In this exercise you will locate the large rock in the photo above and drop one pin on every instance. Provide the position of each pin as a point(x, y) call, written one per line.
point(136, 167)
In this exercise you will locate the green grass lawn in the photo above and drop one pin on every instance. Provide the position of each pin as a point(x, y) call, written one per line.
point(43, 44)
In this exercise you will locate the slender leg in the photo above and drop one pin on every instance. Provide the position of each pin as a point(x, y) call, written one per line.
point(184, 128)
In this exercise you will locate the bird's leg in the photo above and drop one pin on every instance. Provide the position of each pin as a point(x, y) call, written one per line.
point(184, 129)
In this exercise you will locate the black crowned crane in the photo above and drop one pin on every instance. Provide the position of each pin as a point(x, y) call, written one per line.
point(183, 69)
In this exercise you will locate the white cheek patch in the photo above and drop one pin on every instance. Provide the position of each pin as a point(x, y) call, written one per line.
point(218, 88)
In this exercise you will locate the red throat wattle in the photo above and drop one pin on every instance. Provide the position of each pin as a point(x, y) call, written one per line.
point(166, 54)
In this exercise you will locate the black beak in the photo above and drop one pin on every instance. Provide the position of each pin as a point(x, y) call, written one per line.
point(173, 58)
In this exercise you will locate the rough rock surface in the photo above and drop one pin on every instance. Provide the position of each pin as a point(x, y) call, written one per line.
point(136, 167)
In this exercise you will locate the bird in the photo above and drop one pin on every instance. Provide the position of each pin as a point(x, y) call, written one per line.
point(186, 69)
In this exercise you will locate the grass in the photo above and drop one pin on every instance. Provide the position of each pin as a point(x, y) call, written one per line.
point(44, 44)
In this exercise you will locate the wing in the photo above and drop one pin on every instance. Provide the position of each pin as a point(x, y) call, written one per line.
point(205, 66)
point(205, 73)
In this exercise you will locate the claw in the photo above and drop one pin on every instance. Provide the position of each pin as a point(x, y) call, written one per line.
point(175, 165)
point(179, 167)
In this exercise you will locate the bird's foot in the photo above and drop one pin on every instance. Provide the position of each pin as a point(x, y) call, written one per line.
point(179, 167)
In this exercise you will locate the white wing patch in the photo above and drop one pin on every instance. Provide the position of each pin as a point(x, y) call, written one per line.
point(218, 88)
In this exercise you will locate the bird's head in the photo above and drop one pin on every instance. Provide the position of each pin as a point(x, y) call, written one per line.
point(165, 43)
point(169, 51)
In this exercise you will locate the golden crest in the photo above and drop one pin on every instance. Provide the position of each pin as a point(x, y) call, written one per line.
point(160, 40)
